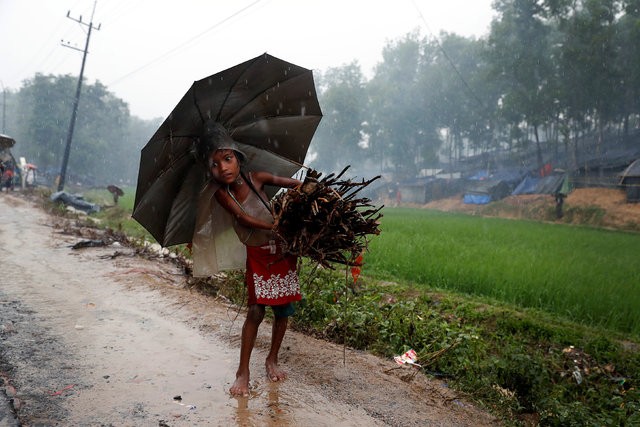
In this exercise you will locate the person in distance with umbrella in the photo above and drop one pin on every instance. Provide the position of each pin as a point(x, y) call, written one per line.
point(271, 277)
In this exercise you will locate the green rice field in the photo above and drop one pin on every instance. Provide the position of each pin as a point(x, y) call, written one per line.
point(587, 275)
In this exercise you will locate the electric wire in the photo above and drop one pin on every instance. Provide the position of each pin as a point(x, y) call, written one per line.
point(38, 54)
point(186, 43)
point(446, 55)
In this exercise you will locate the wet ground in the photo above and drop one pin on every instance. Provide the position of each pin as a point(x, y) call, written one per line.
point(101, 336)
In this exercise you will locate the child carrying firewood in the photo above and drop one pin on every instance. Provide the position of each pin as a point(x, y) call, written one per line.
point(271, 277)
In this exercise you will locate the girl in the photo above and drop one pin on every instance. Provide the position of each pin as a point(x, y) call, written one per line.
point(270, 277)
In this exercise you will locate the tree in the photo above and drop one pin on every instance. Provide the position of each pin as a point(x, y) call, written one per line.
point(44, 111)
point(106, 142)
point(402, 134)
point(459, 97)
point(628, 63)
point(589, 75)
point(519, 54)
point(339, 139)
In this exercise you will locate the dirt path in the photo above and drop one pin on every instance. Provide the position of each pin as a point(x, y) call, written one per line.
point(88, 339)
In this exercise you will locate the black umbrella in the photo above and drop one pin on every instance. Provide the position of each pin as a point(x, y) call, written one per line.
point(268, 105)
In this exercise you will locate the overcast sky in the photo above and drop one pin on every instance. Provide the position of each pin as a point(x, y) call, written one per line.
point(148, 52)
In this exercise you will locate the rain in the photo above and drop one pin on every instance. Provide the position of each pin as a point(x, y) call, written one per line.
point(499, 140)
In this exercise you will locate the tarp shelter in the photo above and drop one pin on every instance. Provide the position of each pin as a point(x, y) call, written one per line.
point(424, 190)
point(6, 142)
point(630, 181)
point(552, 184)
point(484, 187)
point(487, 191)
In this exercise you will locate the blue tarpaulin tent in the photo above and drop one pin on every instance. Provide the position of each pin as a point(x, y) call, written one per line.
point(552, 184)
point(484, 192)
point(485, 188)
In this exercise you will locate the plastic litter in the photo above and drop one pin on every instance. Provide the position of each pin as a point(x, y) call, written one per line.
point(59, 392)
point(75, 200)
point(577, 375)
point(178, 400)
point(410, 357)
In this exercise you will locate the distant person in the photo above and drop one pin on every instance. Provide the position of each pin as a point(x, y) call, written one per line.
point(559, 202)
point(7, 178)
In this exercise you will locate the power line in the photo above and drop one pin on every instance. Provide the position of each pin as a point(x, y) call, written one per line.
point(38, 53)
point(192, 39)
point(446, 55)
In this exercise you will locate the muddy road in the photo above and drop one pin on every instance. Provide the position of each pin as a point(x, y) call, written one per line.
point(100, 336)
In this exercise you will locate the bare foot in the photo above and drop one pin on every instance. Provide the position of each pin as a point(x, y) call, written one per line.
point(241, 386)
point(274, 372)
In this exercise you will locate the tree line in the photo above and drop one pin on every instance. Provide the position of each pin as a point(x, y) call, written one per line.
point(107, 139)
point(551, 80)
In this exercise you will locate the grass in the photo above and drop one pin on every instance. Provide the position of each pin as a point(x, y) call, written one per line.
point(583, 274)
point(118, 216)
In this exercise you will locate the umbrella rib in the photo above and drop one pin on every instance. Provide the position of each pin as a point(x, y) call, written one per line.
point(195, 102)
point(234, 85)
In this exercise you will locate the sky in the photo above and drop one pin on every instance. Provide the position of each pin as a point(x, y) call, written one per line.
point(149, 52)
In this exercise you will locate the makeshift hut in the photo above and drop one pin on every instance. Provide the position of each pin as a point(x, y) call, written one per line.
point(556, 183)
point(630, 181)
point(426, 189)
point(487, 191)
point(7, 160)
point(483, 188)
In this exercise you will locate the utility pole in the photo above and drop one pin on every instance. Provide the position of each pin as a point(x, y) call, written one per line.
point(67, 148)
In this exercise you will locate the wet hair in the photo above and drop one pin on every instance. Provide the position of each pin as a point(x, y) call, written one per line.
point(215, 137)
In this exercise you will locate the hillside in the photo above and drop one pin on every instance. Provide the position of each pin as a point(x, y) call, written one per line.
point(599, 207)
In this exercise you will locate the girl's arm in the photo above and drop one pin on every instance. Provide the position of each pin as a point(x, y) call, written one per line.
point(234, 209)
point(266, 178)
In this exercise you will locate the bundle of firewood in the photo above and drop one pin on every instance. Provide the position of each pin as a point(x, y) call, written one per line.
point(323, 220)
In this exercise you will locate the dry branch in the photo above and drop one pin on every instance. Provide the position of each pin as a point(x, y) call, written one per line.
point(323, 220)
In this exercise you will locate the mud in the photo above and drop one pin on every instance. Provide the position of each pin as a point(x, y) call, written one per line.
point(100, 336)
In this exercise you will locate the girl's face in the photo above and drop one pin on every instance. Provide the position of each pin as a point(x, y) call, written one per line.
point(224, 166)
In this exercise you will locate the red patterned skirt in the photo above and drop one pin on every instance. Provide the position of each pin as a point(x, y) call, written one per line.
point(271, 277)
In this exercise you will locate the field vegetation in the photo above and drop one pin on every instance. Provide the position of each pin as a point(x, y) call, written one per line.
point(584, 274)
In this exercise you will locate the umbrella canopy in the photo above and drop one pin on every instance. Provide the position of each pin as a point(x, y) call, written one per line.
point(6, 141)
point(269, 106)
